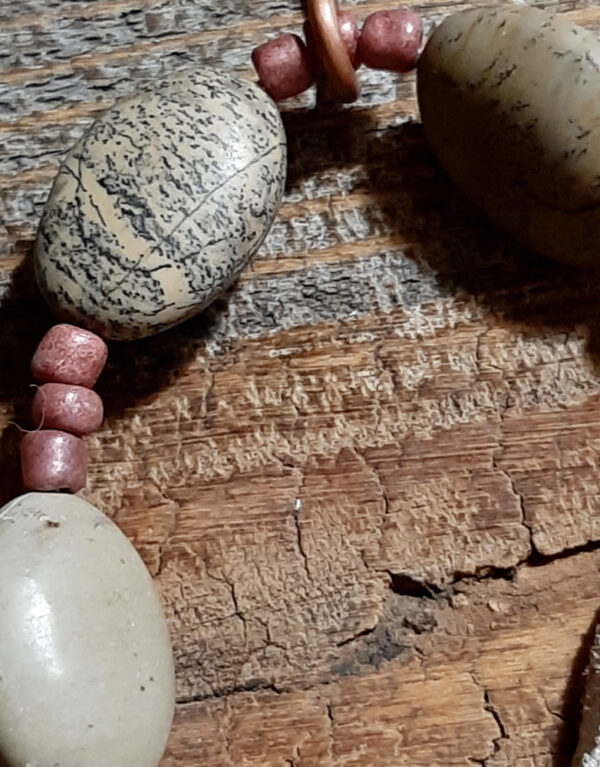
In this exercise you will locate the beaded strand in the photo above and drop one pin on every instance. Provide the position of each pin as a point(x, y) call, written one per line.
point(335, 48)
point(68, 361)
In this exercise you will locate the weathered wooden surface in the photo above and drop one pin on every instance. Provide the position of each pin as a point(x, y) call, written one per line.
point(366, 481)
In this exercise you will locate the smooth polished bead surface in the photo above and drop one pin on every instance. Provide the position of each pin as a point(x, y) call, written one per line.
point(510, 102)
point(350, 34)
point(85, 661)
point(161, 204)
point(75, 409)
point(53, 460)
point(283, 67)
point(391, 40)
point(68, 354)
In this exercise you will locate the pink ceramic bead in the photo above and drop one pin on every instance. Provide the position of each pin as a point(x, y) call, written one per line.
point(283, 67)
point(391, 40)
point(52, 460)
point(71, 408)
point(350, 35)
point(68, 354)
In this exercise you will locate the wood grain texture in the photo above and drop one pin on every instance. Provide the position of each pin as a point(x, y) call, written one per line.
point(366, 481)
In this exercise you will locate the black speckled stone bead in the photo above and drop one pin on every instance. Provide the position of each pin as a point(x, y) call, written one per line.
point(161, 204)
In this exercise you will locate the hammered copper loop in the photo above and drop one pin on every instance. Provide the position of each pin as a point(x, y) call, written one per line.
point(331, 50)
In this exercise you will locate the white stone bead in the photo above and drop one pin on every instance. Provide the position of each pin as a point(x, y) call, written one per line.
point(86, 670)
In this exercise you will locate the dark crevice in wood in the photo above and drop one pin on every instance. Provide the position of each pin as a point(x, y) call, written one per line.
point(299, 540)
point(489, 706)
point(503, 733)
point(354, 637)
point(485, 573)
point(252, 685)
point(407, 586)
point(536, 559)
point(330, 714)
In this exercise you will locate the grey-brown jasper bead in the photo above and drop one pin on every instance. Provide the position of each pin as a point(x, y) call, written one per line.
point(161, 204)
point(510, 102)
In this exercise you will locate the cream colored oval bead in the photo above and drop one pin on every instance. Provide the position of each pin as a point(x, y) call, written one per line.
point(86, 670)
point(510, 101)
point(158, 208)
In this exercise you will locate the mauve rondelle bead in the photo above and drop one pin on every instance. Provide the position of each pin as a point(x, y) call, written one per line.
point(52, 460)
point(75, 409)
point(350, 35)
point(282, 66)
point(68, 354)
point(391, 40)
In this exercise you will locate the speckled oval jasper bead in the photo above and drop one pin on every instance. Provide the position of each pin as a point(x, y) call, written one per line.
point(67, 354)
point(161, 204)
point(53, 460)
point(75, 409)
point(510, 102)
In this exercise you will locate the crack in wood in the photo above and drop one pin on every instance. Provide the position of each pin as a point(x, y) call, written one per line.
point(296, 508)
point(489, 706)
point(252, 685)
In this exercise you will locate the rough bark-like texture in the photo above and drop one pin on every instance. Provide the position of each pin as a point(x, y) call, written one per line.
point(366, 480)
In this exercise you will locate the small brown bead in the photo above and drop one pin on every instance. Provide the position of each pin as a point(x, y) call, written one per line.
point(391, 40)
point(282, 66)
point(68, 354)
point(52, 460)
point(75, 409)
